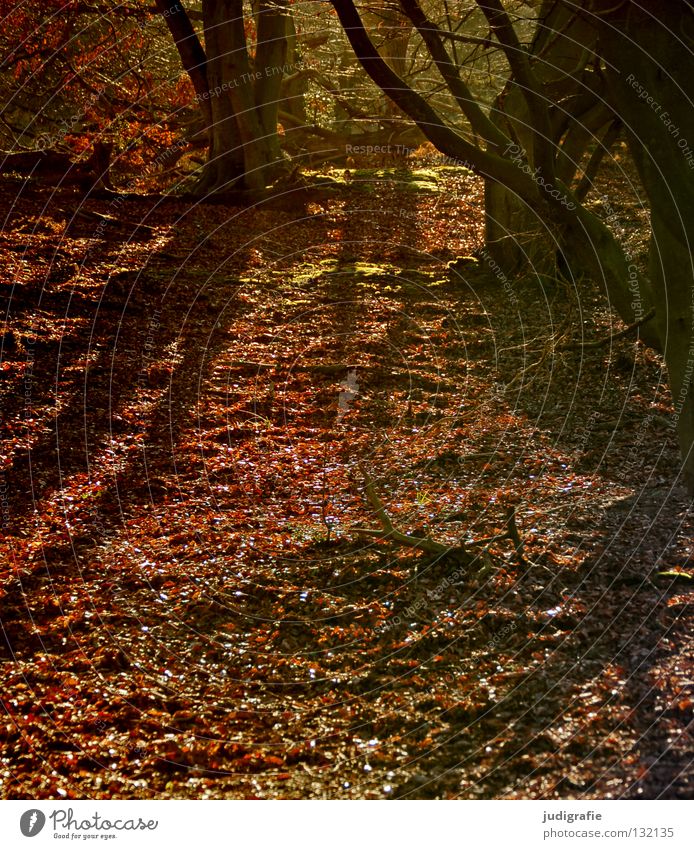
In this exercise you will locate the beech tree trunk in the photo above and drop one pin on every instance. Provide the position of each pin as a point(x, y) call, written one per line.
point(225, 166)
point(270, 65)
point(515, 234)
point(294, 83)
point(190, 50)
point(239, 99)
point(587, 244)
point(517, 231)
point(650, 73)
point(585, 241)
point(249, 94)
point(391, 32)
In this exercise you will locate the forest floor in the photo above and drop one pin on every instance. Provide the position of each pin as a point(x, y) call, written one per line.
point(190, 397)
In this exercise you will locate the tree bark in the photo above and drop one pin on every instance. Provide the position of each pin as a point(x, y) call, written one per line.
point(294, 83)
point(581, 236)
point(270, 61)
point(650, 68)
point(643, 37)
point(259, 140)
point(225, 166)
point(391, 31)
point(514, 236)
point(555, 143)
point(190, 50)
point(486, 163)
point(239, 102)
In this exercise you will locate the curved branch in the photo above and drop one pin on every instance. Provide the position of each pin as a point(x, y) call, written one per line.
point(484, 163)
point(190, 50)
point(524, 76)
point(432, 35)
point(389, 532)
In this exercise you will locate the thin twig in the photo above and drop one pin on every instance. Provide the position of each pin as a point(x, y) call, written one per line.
point(607, 340)
point(485, 542)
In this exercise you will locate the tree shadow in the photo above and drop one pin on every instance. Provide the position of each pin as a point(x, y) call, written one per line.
point(141, 390)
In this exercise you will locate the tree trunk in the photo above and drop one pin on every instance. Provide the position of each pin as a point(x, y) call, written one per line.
point(517, 230)
point(260, 146)
point(515, 236)
point(588, 246)
point(245, 149)
point(190, 51)
point(270, 65)
point(225, 162)
point(587, 243)
point(390, 31)
point(294, 83)
point(659, 119)
point(642, 53)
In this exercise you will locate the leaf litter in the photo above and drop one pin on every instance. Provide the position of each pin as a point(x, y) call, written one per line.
point(187, 611)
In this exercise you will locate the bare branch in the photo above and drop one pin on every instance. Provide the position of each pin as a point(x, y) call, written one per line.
point(389, 532)
point(431, 34)
point(418, 108)
point(525, 78)
point(607, 340)
point(603, 147)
